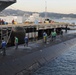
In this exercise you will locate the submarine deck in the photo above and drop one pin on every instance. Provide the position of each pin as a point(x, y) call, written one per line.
point(18, 61)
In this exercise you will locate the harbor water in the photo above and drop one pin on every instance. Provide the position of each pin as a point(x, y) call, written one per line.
point(71, 20)
point(65, 64)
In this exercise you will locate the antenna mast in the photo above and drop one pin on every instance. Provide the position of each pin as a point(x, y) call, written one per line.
point(45, 10)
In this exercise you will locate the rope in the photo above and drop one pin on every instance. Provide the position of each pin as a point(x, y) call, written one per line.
point(9, 36)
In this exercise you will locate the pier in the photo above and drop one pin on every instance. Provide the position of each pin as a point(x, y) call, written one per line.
point(34, 31)
point(40, 25)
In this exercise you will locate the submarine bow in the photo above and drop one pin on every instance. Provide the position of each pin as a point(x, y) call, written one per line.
point(6, 3)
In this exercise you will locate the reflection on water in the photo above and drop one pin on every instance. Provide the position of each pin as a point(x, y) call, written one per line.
point(65, 20)
point(63, 65)
point(70, 31)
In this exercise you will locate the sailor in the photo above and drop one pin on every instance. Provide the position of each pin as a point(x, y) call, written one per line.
point(53, 35)
point(26, 40)
point(16, 42)
point(61, 32)
point(44, 37)
point(3, 45)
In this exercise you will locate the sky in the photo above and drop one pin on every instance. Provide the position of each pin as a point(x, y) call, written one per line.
point(57, 6)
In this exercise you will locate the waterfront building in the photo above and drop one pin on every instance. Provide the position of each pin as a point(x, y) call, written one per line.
point(34, 17)
point(9, 19)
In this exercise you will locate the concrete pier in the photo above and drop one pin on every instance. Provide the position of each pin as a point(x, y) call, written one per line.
point(39, 26)
point(8, 32)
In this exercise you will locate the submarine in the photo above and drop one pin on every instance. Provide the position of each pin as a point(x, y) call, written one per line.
point(18, 32)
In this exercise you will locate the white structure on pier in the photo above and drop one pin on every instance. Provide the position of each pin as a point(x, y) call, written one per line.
point(9, 19)
point(34, 17)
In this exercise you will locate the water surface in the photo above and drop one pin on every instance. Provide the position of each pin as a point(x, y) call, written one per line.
point(63, 65)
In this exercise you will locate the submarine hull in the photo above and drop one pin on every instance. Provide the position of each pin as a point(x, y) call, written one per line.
point(19, 32)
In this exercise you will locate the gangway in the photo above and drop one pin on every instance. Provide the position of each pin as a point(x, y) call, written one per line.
point(5, 34)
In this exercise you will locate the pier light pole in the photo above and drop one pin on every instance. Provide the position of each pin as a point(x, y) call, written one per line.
point(66, 28)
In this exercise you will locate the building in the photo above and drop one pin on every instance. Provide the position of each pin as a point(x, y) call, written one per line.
point(9, 19)
point(34, 17)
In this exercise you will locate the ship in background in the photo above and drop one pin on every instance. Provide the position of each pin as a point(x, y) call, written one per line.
point(6, 3)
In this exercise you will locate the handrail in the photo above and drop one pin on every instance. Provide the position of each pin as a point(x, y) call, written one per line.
point(9, 36)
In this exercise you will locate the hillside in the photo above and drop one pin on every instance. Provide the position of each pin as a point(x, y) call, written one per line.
point(42, 14)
